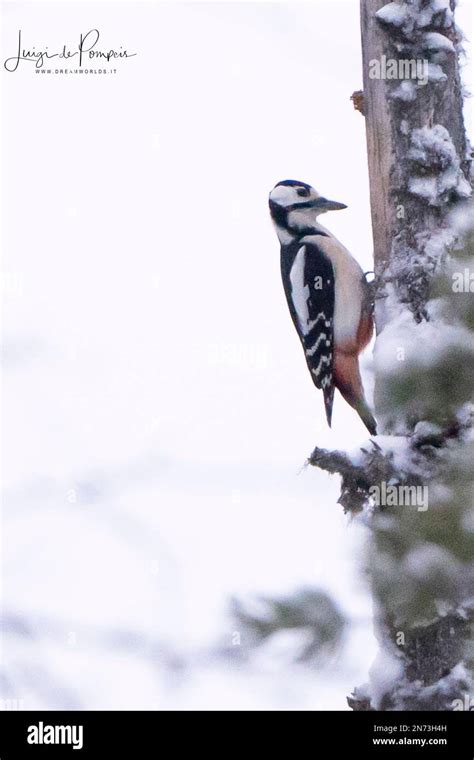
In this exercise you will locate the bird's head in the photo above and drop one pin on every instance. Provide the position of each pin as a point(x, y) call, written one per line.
point(295, 205)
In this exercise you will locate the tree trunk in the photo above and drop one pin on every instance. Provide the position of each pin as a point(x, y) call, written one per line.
point(418, 168)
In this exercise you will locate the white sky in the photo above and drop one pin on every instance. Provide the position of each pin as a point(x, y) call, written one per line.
point(153, 371)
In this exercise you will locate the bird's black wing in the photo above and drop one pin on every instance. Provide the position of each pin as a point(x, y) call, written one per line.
point(309, 286)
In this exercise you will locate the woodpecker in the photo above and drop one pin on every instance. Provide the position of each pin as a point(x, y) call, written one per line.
point(327, 294)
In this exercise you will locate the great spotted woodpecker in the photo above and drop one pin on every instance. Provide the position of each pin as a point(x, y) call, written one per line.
point(327, 293)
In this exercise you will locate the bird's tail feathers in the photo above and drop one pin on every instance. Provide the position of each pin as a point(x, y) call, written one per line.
point(328, 393)
point(347, 379)
point(366, 416)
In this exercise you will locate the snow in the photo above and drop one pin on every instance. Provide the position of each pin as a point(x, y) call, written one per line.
point(436, 73)
point(446, 690)
point(404, 127)
point(417, 341)
point(412, 18)
point(385, 671)
point(428, 188)
point(394, 14)
point(462, 218)
point(433, 153)
point(466, 416)
point(463, 188)
point(405, 91)
point(424, 429)
point(427, 560)
point(406, 345)
point(432, 144)
point(436, 41)
point(433, 8)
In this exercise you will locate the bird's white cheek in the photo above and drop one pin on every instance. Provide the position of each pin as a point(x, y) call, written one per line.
point(283, 195)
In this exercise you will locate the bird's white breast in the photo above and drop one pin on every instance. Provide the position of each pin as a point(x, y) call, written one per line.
point(348, 277)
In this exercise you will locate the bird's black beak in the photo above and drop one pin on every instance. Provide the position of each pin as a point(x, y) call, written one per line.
point(324, 204)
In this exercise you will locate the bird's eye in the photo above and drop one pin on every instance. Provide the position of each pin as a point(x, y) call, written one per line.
point(303, 192)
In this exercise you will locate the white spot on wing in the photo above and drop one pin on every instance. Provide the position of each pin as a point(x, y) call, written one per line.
point(300, 291)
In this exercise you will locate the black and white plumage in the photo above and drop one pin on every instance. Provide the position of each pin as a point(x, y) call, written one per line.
point(312, 310)
point(327, 294)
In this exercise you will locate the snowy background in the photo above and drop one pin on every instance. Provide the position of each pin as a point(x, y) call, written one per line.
point(157, 411)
